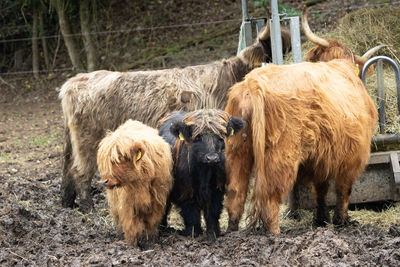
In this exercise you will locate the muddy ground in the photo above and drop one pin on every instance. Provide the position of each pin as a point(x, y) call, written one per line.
point(36, 230)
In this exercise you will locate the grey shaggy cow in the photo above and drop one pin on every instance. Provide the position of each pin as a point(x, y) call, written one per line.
point(95, 102)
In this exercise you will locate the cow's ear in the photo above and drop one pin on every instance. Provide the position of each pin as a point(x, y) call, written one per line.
point(180, 130)
point(137, 151)
point(235, 125)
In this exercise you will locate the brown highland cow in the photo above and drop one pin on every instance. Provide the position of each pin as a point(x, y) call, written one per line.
point(307, 122)
point(135, 165)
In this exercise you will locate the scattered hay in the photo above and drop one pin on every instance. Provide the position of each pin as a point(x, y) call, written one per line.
point(383, 219)
point(391, 109)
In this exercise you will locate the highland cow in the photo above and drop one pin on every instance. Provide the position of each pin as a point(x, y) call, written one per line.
point(329, 49)
point(95, 102)
point(307, 122)
point(135, 165)
point(198, 141)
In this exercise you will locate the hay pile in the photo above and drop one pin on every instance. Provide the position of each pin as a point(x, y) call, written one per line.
point(366, 28)
point(369, 27)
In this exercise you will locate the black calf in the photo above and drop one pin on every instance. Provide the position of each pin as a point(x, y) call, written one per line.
point(198, 141)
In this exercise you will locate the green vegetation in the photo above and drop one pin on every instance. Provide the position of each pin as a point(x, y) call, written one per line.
point(5, 157)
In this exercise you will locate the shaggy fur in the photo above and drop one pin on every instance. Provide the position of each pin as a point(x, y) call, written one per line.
point(314, 126)
point(135, 165)
point(93, 103)
point(198, 141)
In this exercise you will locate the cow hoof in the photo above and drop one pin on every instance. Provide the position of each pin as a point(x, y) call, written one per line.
point(165, 230)
point(86, 207)
point(68, 204)
point(320, 222)
point(68, 200)
point(189, 233)
point(211, 237)
point(146, 243)
point(232, 226)
point(340, 221)
point(321, 219)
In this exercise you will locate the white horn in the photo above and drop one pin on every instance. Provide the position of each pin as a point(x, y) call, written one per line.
point(307, 31)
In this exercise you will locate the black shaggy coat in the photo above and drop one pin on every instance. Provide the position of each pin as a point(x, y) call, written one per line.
point(199, 167)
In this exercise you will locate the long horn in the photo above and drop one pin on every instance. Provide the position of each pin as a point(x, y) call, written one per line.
point(369, 53)
point(265, 32)
point(372, 51)
point(310, 35)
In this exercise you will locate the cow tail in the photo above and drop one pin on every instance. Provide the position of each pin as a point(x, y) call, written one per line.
point(258, 125)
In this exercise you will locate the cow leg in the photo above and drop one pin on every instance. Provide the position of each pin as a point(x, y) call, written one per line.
point(68, 189)
point(238, 176)
point(343, 191)
point(134, 231)
point(86, 202)
point(321, 217)
point(191, 218)
point(212, 214)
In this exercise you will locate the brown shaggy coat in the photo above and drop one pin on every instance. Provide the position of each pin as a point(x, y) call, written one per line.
point(93, 103)
point(310, 122)
point(135, 165)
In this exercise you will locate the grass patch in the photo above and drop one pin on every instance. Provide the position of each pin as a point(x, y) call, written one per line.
point(43, 141)
point(39, 141)
point(5, 157)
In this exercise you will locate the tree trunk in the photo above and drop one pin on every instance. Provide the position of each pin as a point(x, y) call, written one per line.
point(87, 39)
point(66, 32)
point(35, 46)
point(44, 42)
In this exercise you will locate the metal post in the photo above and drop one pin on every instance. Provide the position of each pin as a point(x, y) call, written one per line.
point(248, 39)
point(295, 38)
point(276, 40)
point(246, 26)
point(244, 10)
point(395, 68)
point(381, 97)
point(260, 23)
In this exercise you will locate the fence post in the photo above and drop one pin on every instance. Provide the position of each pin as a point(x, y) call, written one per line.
point(245, 38)
point(381, 97)
point(295, 39)
point(276, 40)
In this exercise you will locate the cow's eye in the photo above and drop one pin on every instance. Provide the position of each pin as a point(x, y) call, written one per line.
point(197, 138)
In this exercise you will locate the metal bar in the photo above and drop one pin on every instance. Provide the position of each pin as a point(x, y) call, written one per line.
point(248, 39)
point(386, 139)
point(244, 10)
point(276, 43)
point(394, 163)
point(381, 97)
point(396, 72)
point(295, 38)
point(260, 23)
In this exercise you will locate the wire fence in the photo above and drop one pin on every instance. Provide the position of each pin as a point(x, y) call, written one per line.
point(185, 25)
point(155, 28)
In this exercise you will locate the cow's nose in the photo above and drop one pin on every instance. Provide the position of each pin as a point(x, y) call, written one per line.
point(212, 157)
